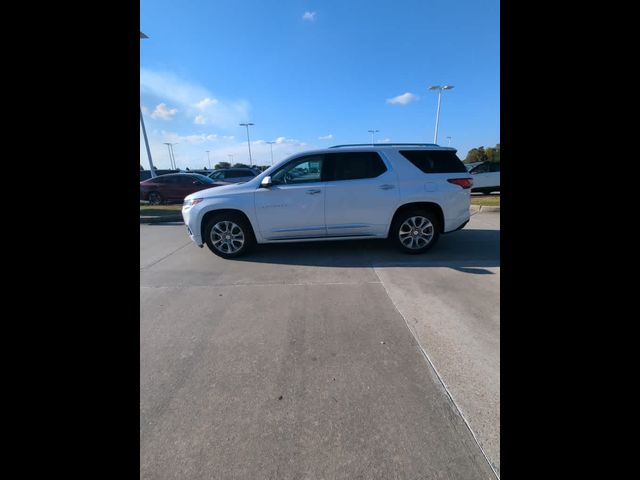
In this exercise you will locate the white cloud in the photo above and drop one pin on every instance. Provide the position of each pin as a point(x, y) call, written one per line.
point(384, 140)
point(195, 138)
point(200, 120)
point(402, 99)
point(192, 99)
point(228, 137)
point(206, 102)
point(145, 110)
point(326, 137)
point(163, 112)
point(289, 141)
point(310, 16)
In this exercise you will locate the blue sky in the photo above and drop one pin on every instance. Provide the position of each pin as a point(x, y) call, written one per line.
point(315, 73)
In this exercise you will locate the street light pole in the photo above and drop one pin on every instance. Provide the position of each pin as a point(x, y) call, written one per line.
point(372, 132)
point(230, 155)
point(173, 154)
point(144, 131)
point(440, 89)
point(146, 143)
point(449, 138)
point(271, 145)
point(208, 160)
point(170, 156)
point(248, 141)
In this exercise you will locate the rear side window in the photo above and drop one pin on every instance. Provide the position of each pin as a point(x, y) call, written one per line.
point(435, 161)
point(494, 167)
point(171, 179)
point(353, 165)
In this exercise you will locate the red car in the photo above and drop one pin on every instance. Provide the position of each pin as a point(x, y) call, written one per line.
point(173, 187)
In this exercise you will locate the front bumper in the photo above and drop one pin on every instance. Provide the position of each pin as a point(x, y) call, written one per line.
point(190, 216)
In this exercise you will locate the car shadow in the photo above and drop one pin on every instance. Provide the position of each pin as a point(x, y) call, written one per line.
point(469, 251)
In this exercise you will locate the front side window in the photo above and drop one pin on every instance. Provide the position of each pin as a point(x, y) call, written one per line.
point(353, 166)
point(217, 175)
point(302, 170)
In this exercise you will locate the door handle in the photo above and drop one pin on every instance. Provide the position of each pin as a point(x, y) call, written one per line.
point(313, 191)
point(386, 186)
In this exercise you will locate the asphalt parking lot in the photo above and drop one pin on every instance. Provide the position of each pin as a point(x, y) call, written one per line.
point(323, 360)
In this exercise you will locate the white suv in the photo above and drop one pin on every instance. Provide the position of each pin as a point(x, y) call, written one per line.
point(410, 193)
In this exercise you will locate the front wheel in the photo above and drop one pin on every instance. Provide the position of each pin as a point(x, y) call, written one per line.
point(416, 231)
point(228, 235)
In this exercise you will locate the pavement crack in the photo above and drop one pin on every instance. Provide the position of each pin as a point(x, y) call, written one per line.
point(166, 256)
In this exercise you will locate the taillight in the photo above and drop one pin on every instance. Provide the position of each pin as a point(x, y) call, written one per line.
point(463, 182)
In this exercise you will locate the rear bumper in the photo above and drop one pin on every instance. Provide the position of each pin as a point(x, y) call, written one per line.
point(457, 223)
point(459, 228)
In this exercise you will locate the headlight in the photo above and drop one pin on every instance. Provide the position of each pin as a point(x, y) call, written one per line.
point(192, 202)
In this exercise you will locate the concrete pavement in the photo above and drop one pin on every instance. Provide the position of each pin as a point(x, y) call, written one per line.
point(296, 361)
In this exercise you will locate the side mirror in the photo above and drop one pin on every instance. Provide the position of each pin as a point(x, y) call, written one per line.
point(266, 182)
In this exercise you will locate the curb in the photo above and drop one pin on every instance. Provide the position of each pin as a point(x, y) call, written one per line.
point(161, 219)
point(483, 208)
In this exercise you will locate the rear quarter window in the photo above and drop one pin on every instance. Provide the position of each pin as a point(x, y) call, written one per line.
point(435, 161)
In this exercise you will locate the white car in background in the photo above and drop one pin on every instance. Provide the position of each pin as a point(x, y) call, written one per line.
point(486, 176)
point(409, 193)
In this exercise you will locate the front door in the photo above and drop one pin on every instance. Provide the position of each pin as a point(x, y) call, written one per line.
point(293, 207)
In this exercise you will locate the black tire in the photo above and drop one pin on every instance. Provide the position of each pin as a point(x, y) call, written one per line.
point(226, 249)
point(429, 233)
point(155, 198)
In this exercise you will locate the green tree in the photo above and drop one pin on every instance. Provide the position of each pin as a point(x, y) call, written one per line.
point(491, 154)
point(476, 155)
point(240, 165)
point(222, 165)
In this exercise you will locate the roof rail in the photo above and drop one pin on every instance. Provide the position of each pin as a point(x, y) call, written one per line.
point(387, 145)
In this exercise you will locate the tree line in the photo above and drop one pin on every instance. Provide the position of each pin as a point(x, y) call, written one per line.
point(481, 154)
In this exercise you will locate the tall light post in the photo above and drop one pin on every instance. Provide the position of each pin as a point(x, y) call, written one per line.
point(173, 155)
point(208, 159)
point(440, 89)
point(248, 142)
point(170, 155)
point(144, 132)
point(230, 155)
point(372, 132)
point(449, 138)
point(271, 145)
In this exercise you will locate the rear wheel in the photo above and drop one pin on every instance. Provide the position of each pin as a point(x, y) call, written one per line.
point(155, 198)
point(415, 231)
point(228, 235)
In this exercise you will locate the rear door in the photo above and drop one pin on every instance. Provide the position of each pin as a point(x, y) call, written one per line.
point(361, 194)
point(171, 189)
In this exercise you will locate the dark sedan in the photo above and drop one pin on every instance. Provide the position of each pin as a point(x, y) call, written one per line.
point(173, 187)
